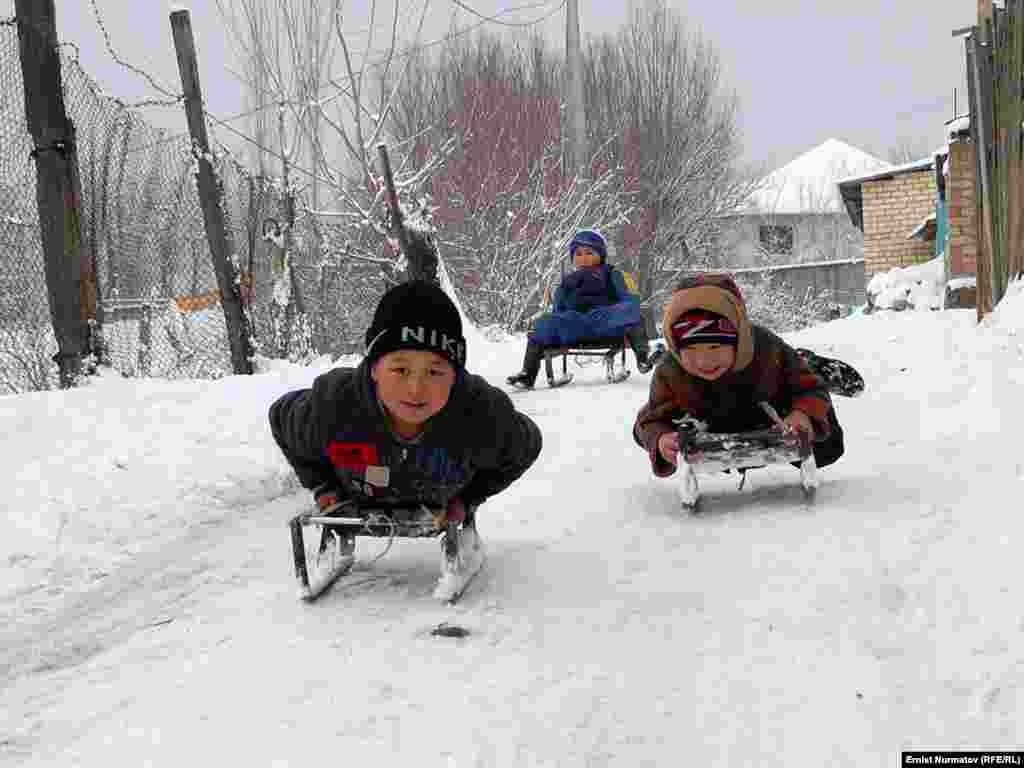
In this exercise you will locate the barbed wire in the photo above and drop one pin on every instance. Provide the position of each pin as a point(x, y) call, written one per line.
point(516, 24)
point(174, 99)
point(272, 152)
point(75, 48)
point(131, 67)
point(153, 102)
point(384, 58)
point(184, 134)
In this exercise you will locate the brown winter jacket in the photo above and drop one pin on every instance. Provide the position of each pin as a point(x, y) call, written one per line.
point(766, 369)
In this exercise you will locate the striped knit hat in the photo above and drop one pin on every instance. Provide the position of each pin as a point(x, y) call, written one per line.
point(701, 326)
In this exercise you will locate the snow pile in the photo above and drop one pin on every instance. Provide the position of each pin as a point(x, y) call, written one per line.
point(958, 126)
point(921, 287)
point(1008, 315)
point(98, 474)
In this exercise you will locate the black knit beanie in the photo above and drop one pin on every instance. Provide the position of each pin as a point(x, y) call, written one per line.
point(416, 315)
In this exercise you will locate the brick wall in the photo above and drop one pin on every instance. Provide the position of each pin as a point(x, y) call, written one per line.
point(892, 209)
point(961, 200)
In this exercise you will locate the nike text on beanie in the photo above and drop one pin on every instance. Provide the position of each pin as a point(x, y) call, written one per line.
point(416, 315)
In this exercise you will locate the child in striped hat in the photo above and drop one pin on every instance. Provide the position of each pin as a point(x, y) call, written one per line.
point(720, 367)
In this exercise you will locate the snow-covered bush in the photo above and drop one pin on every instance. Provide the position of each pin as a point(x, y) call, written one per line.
point(27, 348)
point(777, 307)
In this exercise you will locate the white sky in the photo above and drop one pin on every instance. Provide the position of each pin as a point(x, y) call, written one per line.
point(149, 615)
point(871, 73)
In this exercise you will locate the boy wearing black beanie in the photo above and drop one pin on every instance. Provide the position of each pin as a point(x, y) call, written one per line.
point(409, 426)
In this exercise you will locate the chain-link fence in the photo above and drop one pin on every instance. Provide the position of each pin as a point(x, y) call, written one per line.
point(150, 284)
point(308, 282)
point(26, 335)
point(158, 306)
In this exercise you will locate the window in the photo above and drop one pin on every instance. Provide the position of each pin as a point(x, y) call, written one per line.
point(777, 239)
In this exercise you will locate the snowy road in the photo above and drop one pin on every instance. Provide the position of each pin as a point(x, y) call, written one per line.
point(606, 629)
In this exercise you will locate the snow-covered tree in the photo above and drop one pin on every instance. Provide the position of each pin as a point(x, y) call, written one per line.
point(657, 87)
point(504, 208)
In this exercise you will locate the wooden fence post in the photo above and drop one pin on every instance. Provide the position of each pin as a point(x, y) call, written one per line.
point(1013, 109)
point(981, 130)
point(210, 196)
point(57, 195)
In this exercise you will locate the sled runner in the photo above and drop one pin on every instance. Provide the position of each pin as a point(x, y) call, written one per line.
point(608, 348)
point(323, 544)
point(712, 452)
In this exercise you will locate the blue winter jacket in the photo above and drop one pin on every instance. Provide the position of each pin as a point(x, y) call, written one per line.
point(590, 303)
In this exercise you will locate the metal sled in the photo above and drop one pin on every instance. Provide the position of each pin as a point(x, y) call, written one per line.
point(609, 348)
point(713, 452)
point(323, 543)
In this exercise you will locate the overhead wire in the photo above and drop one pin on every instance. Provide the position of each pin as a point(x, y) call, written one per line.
point(517, 24)
point(403, 53)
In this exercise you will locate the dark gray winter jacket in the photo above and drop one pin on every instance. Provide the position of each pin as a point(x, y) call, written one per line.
point(336, 434)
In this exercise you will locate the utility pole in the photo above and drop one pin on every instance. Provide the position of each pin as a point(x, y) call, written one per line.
point(210, 196)
point(58, 196)
point(576, 119)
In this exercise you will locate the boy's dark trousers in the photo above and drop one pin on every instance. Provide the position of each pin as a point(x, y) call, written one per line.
point(531, 361)
point(637, 337)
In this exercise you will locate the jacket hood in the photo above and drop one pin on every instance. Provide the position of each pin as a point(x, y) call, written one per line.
point(715, 293)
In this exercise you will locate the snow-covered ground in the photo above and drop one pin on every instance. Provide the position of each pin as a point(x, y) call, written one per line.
point(148, 614)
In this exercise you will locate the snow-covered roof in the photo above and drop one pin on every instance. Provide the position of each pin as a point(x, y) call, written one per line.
point(808, 184)
point(893, 170)
point(795, 265)
point(958, 125)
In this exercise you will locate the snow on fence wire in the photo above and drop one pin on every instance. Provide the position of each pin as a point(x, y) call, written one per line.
point(155, 298)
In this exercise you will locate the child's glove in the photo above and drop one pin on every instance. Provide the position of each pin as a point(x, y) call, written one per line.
point(455, 512)
point(795, 423)
point(327, 497)
point(668, 447)
point(798, 421)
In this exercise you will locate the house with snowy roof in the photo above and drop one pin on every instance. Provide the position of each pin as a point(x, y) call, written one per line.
point(796, 215)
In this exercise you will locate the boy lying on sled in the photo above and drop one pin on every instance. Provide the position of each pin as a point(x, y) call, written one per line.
point(721, 370)
point(410, 427)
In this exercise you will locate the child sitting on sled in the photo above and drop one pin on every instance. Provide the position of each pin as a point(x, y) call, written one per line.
point(591, 302)
point(721, 367)
point(409, 426)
